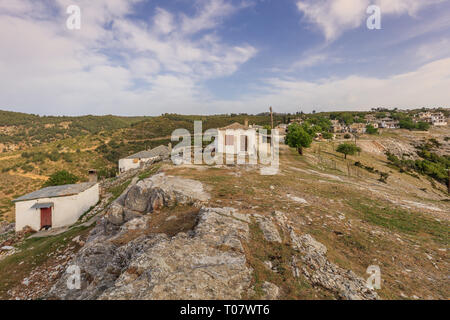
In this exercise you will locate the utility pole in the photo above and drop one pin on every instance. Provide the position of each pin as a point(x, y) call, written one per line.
point(271, 116)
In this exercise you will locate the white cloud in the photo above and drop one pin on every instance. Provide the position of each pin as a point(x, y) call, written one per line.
point(427, 86)
point(208, 17)
point(113, 64)
point(334, 17)
point(164, 21)
point(433, 50)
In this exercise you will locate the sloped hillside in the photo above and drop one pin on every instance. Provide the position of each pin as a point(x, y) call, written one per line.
point(309, 232)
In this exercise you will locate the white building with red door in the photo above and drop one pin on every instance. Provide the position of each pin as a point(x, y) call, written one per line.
point(55, 207)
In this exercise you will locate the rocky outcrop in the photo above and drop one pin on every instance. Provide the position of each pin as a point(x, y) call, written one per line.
point(161, 190)
point(321, 272)
point(206, 263)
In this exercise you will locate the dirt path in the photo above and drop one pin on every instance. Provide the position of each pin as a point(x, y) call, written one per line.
point(10, 157)
point(30, 175)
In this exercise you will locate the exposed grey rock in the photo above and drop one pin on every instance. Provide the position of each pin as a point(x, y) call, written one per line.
point(344, 283)
point(306, 243)
point(190, 267)
point(271, 291)
point(161, 190)
point(115, 214)
point(138, 197)
point(6, 227)
point(269, 230)
point(208, 264)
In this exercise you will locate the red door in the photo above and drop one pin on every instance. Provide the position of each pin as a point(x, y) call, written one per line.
point(46, 217)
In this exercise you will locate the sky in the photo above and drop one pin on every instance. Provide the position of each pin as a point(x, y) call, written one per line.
point(148, 57)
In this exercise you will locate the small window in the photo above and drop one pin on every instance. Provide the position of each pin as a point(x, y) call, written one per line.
point(267, 139)
point(229, 140)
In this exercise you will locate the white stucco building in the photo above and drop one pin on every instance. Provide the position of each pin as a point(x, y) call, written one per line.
point(54, 207)
point(139, 159)
point(242, 139)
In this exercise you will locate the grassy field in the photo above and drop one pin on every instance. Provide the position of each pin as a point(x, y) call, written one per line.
point(33, 254)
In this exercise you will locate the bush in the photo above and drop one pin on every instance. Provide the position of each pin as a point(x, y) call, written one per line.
point(371, 130)
point(347, 136)
point(61, 178)
point(383, 176)
point(431, 164)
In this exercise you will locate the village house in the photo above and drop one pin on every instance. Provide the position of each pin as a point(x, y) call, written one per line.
point(337, 127)
point(438, 119)
point(388, 123)
point(241, 139)
point(282, 129)
point(434, 118)
point(138, 160)
point(55, 207)
point(358, 128)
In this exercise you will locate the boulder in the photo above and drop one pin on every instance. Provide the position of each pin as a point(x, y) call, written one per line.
point(138, 197)
point(115, 214)
point(161, 190)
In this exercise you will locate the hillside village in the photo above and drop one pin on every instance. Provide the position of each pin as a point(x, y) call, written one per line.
point(312, 239)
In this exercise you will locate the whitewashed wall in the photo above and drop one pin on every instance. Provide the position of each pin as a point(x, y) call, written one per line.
point(236, 147)
point(66, 210)
point(128, 164)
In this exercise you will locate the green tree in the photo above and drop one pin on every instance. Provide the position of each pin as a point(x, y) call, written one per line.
point(407, 123)
point(60, 178)
point(348, 148)
point(371, 130)
point(423, 126)
point(298, 138)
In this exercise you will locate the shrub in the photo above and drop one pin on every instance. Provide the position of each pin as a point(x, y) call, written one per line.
point(371, 130)
point(383, 176)
point(327, 135)
point(61, 178)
